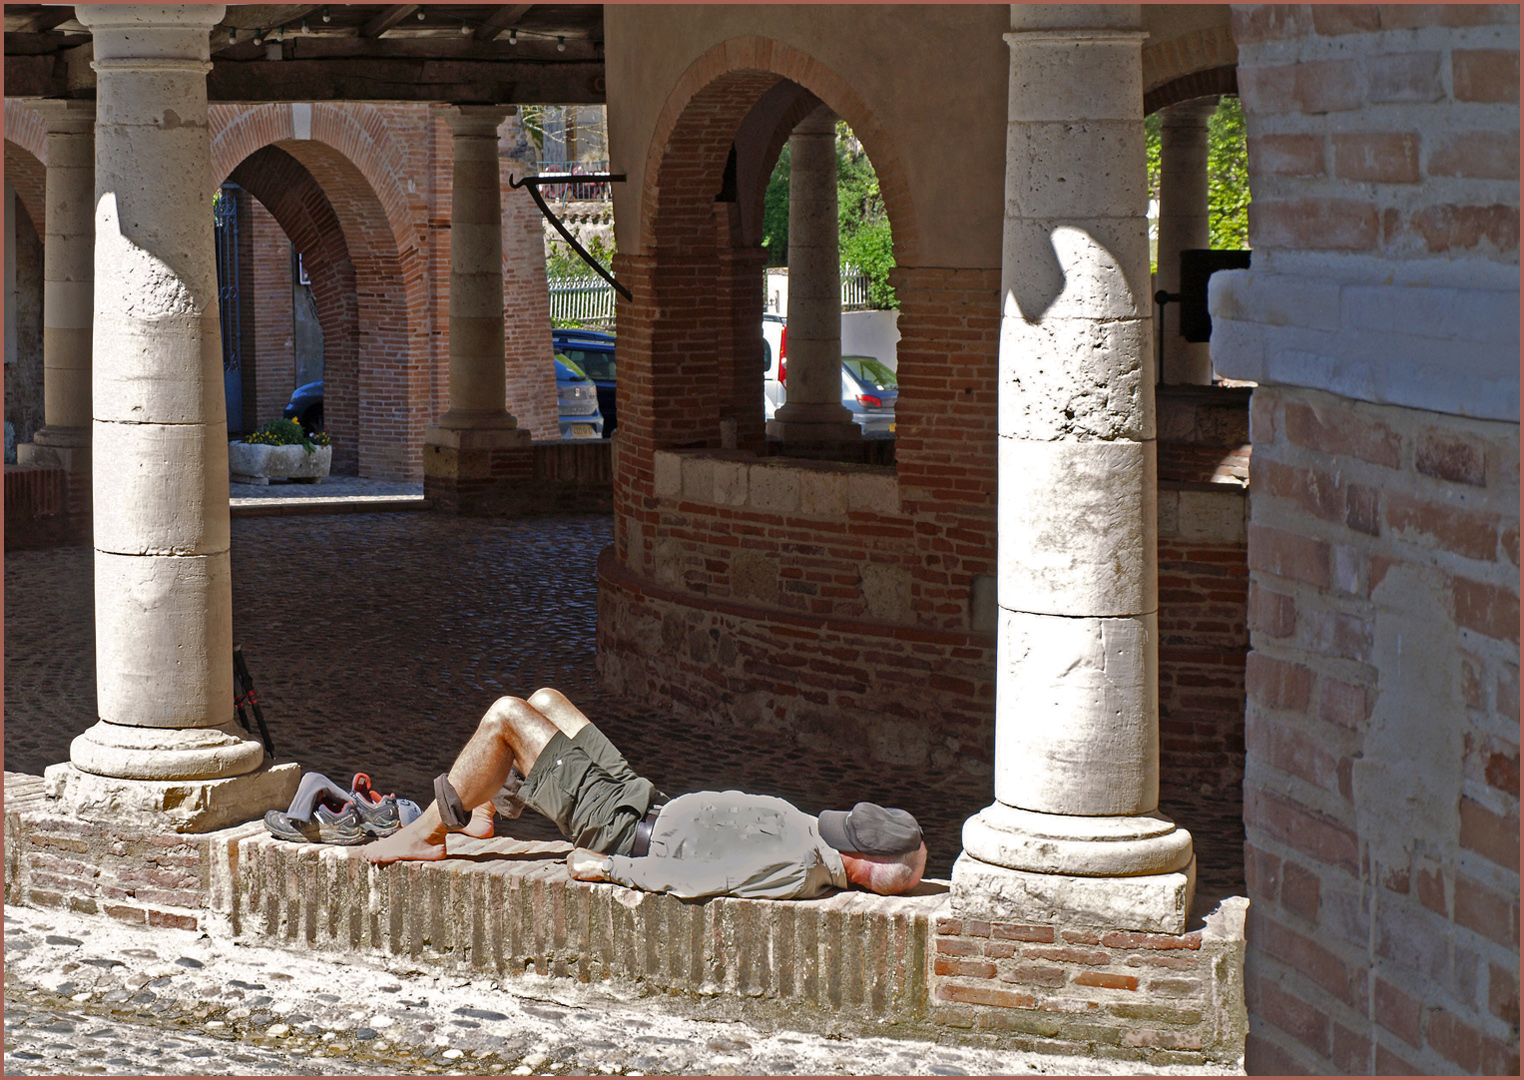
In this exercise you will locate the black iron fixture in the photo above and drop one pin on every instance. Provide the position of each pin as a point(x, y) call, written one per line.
point(533, 184)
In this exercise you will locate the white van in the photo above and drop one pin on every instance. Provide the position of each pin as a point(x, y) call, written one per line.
point(868, 388)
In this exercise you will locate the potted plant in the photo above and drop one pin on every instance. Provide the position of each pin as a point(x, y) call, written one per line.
point(280, 450)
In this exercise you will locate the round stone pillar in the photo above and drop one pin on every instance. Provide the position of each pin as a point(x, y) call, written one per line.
point(1183, 225)
point(68, 288)
point(478, 398)
point(812, 411)
point(1074, 835)
point(166, 749)
point(464, 451)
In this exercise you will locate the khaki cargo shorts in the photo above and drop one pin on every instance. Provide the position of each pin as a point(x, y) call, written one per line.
point(588, 789)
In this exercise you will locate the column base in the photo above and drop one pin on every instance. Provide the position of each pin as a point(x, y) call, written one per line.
point(73, 460)
point(472, 470)
point(182, 806)
point(163, 753)
point(1151, 903)
point(814, 431)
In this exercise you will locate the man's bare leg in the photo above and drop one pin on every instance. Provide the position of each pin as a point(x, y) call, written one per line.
point(558, 709)
point(512, 732)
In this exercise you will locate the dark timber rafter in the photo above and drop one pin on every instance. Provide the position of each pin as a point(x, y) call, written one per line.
point(500, 20)
point(387, 19)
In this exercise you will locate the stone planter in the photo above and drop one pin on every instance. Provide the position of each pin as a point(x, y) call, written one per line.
point(252, 463)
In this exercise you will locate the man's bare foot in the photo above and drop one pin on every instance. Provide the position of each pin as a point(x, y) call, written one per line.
point(482, 826)
point(422, 841)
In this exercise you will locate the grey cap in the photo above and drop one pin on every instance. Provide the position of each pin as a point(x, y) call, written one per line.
point(870, 829)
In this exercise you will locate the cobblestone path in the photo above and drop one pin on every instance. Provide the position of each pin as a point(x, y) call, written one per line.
point(376, 640)
point(89, 996)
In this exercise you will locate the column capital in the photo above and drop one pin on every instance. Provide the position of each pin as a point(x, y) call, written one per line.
point(177, 32)
point(477, 121)
point(63, 116)
point(1189, 114)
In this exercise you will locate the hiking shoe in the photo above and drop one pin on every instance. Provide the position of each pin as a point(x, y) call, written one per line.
point(380, 815)
point(325, 827)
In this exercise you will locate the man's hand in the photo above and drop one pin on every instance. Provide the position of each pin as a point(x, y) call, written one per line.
point(586, 865)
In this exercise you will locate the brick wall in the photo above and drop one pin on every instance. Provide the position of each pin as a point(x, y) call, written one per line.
point(1162, 998)
point(1381, 321)
point(1389, 129)
point(274, 357)
point(54, 860)
point(1382, 799)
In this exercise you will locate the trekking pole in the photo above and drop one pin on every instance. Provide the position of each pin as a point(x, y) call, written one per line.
point(246, 685)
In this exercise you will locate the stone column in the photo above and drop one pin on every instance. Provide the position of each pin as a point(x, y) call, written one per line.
point(1183, 224)
point(1074, 835)
point(813, 411)
point(459, 449)
point(68, 294)
point(166, 751)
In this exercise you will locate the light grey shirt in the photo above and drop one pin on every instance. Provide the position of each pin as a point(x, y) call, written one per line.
point(712, 843)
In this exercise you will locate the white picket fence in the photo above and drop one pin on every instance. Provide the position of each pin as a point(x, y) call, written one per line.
point(589, 301)
point(586, 301)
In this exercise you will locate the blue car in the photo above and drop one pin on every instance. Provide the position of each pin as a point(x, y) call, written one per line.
point(306, 407)
point(592, 353)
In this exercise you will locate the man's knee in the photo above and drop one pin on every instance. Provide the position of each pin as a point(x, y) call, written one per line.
point(504, 715)
point(547, 698)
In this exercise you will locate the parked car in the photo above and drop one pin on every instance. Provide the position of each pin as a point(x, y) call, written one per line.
point(868, 388)
point(577, 404)
point(306, 407)
point(578, 415)
point(774, 359)
point(591, 352)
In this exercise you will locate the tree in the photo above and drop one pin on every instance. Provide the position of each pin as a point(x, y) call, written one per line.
point(1227, 173)
point(865, 239)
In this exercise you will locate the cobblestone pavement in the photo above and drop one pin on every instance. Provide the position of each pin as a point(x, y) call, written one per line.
point(376, 640)
point(90, 996)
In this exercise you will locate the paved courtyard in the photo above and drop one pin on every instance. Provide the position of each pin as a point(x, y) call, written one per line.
point(376, 640)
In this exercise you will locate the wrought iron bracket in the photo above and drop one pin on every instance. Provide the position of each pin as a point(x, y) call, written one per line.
point(533, 184)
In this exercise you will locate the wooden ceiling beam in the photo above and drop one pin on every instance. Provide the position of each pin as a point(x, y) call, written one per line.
point(49, 19)
point(508, 15)
point(387, 19)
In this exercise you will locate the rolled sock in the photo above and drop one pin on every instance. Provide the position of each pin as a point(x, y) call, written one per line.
point(451, 811)
point(312, 789)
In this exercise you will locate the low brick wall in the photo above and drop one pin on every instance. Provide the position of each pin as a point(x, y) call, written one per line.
point(547, 478)
point(42, 511)
point(851, 962)
point(1163, 998)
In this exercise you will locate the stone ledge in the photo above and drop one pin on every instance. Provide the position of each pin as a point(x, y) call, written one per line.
point(740, 480)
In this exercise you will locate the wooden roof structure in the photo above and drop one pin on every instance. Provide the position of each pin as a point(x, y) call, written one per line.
point(522, 54)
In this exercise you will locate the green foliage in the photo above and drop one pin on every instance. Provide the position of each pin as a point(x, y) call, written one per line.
point(1227, 173)
point(1228, 176)
point(562, 262)
point(865, 238)
point(288, 433)
point(775, 212)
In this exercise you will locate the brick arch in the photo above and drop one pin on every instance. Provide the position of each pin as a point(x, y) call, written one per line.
point(297, 202)
point(27, 129)
point(1199, 51)
point(29, 176)
point(714, 95)
point(1211, 83)
point(353, 166)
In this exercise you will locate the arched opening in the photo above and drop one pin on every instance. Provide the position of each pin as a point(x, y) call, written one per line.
point(25, 184)
point(293, 198)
